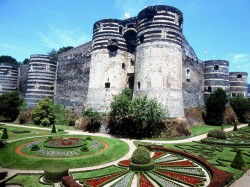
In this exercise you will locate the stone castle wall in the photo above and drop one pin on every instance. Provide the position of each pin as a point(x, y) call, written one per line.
point(23, 79)
point(238, 83)
point(73, 77)
point(8, 77)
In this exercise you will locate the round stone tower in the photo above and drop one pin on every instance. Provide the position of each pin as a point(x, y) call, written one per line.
point(8, 77)
point(216, 75)
point(41, 79)
point(238, 83)
point(109, 57)
point(158, 67)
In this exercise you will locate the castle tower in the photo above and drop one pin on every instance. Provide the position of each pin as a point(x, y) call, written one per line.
point(158, 65)
point(41, 79)
point(216, 75)
point(8, 77)
point(238, 83)
point(109, 64)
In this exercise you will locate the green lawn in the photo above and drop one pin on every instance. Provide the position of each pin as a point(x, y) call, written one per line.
point(32, 133)
point(26, 180)
point(10, 159)
point(97, 173)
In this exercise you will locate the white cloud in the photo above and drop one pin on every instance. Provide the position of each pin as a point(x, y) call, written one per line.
point(59, 37)
point(239, 58)
point(127, 15)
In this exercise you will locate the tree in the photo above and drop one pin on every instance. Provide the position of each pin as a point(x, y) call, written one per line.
point(26, 61)
point(8, 59)
point(43, 113)
point(9, 105)
point(53, 54)
point(63, 49)
point(5, 134)
point(140, 117)
point(238, 161)
point(215, 107)
point(241, 106)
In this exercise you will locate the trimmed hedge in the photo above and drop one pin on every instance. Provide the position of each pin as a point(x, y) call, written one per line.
point(55, 174)
point(20, 131)
point(239, 162)
point(219, 134)
point(5, 134)
point(84, 148)
point(141, 156)
point(142, 167)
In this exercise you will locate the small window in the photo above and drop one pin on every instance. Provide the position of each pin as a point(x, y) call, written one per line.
point(107, 85)
point(209, 89)
point(239, 76)
point(123, 66)
point(216, 67)
point(233, 94)
point(120, 29)
point(52, 88)
point(188, 74)
point(141, 38)
point(139, 85)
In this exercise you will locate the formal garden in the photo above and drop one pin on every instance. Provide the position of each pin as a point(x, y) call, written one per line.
point(44, 149)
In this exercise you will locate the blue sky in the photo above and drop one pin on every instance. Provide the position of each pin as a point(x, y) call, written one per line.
point(222, 27)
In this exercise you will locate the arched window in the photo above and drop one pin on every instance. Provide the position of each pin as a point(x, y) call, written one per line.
point(209, 89)
point(188, 74)
point(239, 76)
point(216, 67)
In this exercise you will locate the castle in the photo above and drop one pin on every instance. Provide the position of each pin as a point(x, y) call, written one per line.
point(147, 53)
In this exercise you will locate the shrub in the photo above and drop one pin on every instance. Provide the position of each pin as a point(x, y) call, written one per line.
point(53, 129)
point(219, 134)
point(49, 138)
point(43, 113)
point(215, 107)
point(88, 138)
point(141, 156)
point(20, 131)
point(241, 106)
point(2, 144)
point(235, 127)
point(25, 116)
point(9, 105)
point(140, 117)
point(60, 129)
point(5, 134)
point(238, 161)
point(60, 113)
point(94, 119)
point(56, 173)
point(71, 117)
point(35, 147)
point(84, 148)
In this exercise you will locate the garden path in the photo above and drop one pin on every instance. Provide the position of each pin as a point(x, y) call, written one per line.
point(243, 181)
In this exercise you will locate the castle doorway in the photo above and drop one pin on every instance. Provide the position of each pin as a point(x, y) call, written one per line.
point(131, 82)
point(130, 37)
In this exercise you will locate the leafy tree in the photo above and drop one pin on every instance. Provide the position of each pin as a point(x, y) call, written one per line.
point(43, 113)
point(26, 61)
point(53, 54)
point(94, 117)
point(140, 117)
point(63, 49)
point(215, 107)
point(9, 105)
point(241, 106)
point(61, 115)
point(8, 59)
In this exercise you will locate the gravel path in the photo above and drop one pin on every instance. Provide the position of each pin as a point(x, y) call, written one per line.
point(242, 182)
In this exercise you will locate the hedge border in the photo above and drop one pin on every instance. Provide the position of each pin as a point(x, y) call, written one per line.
point(142, 167)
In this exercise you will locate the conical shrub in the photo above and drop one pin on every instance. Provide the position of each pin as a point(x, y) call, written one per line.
point(238, 162)
point(5, 134)
point(235, 127)
point(53, 129)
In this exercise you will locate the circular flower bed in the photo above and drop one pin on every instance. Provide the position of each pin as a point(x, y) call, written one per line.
point(64, 142)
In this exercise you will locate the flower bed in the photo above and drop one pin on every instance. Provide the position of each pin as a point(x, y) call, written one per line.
point(143, 181)
point(124, 163)
point(185, 163)
point(158, 154)
point(125, 181)
point(64, 142)
point(190, 180)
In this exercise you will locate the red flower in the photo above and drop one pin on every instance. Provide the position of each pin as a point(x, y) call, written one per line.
point(157, 154)
point(66, 142)
point(182, 177)
point(124, 163)
point(177, 164)
point(144, 182)
point(95, 182)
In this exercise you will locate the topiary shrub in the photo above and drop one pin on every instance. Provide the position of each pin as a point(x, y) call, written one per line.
point(5, 134)
point(238, 161)
point(141, 156)
point(55, 174)
point(35, 147)
point(235, 127)
point(84, 148)
point(49, 138)
point(88, 138)
point(219, 134)
point(53, 129)
point(142, 167)
point(20, 131)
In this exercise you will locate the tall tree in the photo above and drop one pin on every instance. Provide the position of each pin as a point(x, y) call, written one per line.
point(8, 59)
